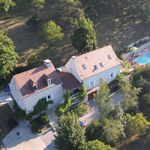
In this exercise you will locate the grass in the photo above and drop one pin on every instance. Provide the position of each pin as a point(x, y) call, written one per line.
point(111, 28)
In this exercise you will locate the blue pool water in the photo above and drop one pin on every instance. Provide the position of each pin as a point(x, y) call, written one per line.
point(144, 59)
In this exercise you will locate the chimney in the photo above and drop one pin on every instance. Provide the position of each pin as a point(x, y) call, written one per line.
point(73, 57)
point(47, 63)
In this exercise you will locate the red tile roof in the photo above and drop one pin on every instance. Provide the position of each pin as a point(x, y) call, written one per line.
point(95, 61)
point(27, 79)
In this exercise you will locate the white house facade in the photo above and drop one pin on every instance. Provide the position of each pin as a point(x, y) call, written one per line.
point(92, 67)
point(47, 81)
point(30, 86)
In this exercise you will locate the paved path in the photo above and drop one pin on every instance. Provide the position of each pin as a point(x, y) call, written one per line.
point(27, 140)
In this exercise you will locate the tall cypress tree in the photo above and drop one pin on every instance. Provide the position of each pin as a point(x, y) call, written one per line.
point(84, 36)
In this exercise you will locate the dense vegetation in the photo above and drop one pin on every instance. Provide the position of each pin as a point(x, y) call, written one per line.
point(75, 23)
point(8, 56)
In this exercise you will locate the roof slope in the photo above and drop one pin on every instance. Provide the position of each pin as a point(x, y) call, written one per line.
point(91, 61)
point(69, 81)
point(38, 74)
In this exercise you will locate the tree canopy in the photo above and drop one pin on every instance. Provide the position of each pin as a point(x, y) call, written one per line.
point(67, 11)
point(113, 131)
point(38, 3)
point(135, 124)
point(84, 36)
point(70, 136)
point(130, 96)
point(8, 56)
point(104, 101)
point(98, 145)
point(52, 32)
point(6, 4)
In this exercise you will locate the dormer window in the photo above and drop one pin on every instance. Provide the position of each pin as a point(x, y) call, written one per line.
point(84, 66)
point(95, 67)
point(35, 87)
point(49, 82)
point(101, 64)
point(109, 57)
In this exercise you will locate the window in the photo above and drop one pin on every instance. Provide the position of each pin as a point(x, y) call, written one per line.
point(49, 82)
point(101, 64)
point(109, 57)
point(84, 66)
point(50, 97)
point(35, 87)
point(112, 75)
point(95, 67)
point(91, 84)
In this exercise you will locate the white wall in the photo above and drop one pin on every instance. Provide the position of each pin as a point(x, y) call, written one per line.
point(31, 100)
point(105, 76)
point(16, 94)
point(71, 68)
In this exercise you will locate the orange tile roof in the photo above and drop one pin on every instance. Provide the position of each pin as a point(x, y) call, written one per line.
point(93, 58)
point(37, 75)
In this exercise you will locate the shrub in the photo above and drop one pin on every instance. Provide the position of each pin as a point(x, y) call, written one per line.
point(44, 119)
point(82, 92)
point(62, 108)
point(39, 123)
point(41, 105)
point(81, 109)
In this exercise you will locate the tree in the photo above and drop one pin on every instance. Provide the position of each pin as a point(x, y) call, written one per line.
point(70, 135)
point(66, 12)
point(141, 79)
point(8, 56)
point(84, 36)
point(94, 130)
point(130, 96)
point(52, 32)
point(6, 4)
point(113, 131)
point(97, 145)
point(38, 3)
point(104, 101)
point(82, 92)
point(109, 131)
point(135, 124)
point(145, 103)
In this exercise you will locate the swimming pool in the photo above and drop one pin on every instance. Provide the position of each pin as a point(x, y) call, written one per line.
point(144, 59)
